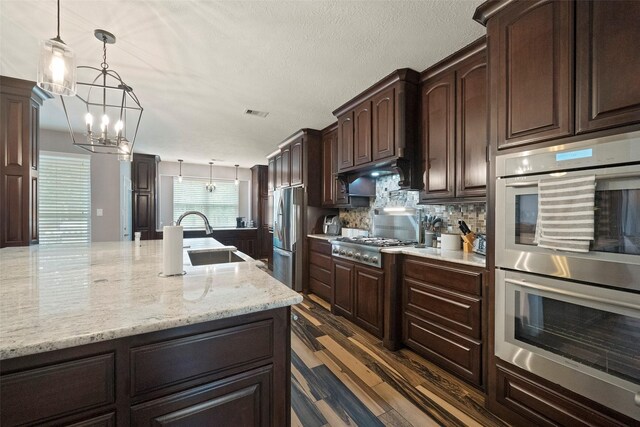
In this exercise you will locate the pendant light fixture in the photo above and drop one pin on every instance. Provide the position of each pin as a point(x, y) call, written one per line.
point(210, 186)
point(237, 182)
point(109, 99)
point(180, 174)
point(57, 66)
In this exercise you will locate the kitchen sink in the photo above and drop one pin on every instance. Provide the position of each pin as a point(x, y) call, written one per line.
point(213, 256)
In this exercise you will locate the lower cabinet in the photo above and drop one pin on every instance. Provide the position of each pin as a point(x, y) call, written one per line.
point(442, 315)
point(246, 240)
point(358, 295)
point(320, 278)
point(228, 372)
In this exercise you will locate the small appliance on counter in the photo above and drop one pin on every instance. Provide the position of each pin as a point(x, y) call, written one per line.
point(331, 225)
point(240, 222)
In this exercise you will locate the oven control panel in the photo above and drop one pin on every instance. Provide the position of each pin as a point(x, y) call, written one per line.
point(370, 256)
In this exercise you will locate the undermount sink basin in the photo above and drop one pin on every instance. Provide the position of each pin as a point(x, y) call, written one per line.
point(213, 256)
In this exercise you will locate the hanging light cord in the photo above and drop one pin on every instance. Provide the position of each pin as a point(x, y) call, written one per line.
point(58, 20)
point(104, 64)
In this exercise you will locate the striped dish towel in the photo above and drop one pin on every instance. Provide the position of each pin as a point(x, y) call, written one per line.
point(565, 213)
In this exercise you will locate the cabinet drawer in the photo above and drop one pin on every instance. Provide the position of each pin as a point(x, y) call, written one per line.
point(321, 289)
point(165, 364)
point(240, 400)
point(320, 274)
point(456, 353)
point(106, 420)
point(452, 310)
point(444, 276)
point(321, 260)
point(320, 246)
point(33, 396)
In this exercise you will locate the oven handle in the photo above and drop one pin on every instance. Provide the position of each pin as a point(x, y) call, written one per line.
point(571, 294)
point(605, 176)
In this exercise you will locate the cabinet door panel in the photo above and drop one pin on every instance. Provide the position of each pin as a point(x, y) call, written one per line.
point(329, 167)
point(296, 163)
point(278, 170)
point(438, 132)
point(535, 68)
point(362, 134)
point(368, 307)
point(607, 64)
point(471, 128)
point(345, 141)
point(242, 400)
point(343, 288)
point(285, 167)
point(271, 185)
point(384, 125)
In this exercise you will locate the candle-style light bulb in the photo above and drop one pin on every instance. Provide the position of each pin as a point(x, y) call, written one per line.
point(88, 119)
point(118, 127)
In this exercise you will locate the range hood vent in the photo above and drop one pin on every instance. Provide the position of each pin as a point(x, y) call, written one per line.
point(409, 179)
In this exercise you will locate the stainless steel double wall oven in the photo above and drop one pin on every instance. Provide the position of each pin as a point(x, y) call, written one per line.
point(573, 318)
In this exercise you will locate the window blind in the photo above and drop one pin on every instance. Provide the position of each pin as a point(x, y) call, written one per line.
point(220, 206)
point(64, 198)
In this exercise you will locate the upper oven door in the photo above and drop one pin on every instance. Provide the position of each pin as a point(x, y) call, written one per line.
point(614, 254)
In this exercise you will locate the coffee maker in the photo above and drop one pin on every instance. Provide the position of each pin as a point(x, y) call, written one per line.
point(240, 222)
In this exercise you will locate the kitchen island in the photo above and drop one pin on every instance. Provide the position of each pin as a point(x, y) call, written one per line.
point(90, 334)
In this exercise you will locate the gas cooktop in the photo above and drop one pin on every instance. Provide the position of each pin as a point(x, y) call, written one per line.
point(379, 242)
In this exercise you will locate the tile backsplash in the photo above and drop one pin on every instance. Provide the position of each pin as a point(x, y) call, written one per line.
point(388, 195)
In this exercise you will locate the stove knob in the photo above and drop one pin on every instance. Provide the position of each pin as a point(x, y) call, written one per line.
point(350, 253)
point(365, 257)
point(374, 259)
point(357, 256)
point(342, 252)
point(335, 250)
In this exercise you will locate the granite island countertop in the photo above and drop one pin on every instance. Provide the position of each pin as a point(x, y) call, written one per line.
point(54, 297)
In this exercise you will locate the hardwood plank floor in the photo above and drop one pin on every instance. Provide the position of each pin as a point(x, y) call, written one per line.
point(343, 376)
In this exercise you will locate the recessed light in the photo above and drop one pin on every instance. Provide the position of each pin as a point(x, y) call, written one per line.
point(375, 173)
point(257, 113)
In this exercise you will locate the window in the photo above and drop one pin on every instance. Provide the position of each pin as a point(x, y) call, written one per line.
point(220, 206)
point(64, 198)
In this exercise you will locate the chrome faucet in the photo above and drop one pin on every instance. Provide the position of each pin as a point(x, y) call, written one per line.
point(207, 226)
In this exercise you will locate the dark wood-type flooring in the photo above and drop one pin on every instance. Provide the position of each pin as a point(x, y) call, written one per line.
point(343, 376)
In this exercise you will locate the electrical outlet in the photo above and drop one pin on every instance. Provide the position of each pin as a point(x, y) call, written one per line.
point(98, 212)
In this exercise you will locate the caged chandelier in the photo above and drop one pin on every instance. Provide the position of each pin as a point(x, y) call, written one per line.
point(111, 104)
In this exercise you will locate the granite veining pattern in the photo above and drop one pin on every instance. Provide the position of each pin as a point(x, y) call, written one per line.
point(54, 297)
point(460, 257)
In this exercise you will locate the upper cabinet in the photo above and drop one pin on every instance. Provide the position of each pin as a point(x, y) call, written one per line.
point(531, 48)
point(377, 129)
point(538, 93)
point(289, 165)
point(454, 125)
point(607, 64)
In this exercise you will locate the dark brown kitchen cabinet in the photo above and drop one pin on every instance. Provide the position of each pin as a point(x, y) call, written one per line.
point(362, 134)
point(607, 64)
point(329, 166)
point(343, 288)
point(454, 125)
point(320, 275)
point(246, 240)
point(297, 164)
point(531, 52)
point(278, 170)
point(438, 136)
point(358, 295)
point(271, 184)
point(143, 177)
point(368, 292)
point(20, 102)
point(260, 207)
point(442, 315)
point(232, 371)
point(471, 126)
point(377, 128)
point(383, 119)
point(345, 141)
point(284, 168)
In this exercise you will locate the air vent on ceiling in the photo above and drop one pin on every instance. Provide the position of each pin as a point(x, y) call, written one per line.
point(262, 114)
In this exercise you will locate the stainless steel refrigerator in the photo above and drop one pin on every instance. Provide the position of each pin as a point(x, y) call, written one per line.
point(288, 210)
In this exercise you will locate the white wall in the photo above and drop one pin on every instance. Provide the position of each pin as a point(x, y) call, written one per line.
point(105, 184)
point(167, 170)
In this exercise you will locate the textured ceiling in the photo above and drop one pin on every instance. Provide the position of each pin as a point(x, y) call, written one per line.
point(197, 65)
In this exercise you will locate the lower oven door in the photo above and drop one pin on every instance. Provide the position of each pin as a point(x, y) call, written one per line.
point(582, 337)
